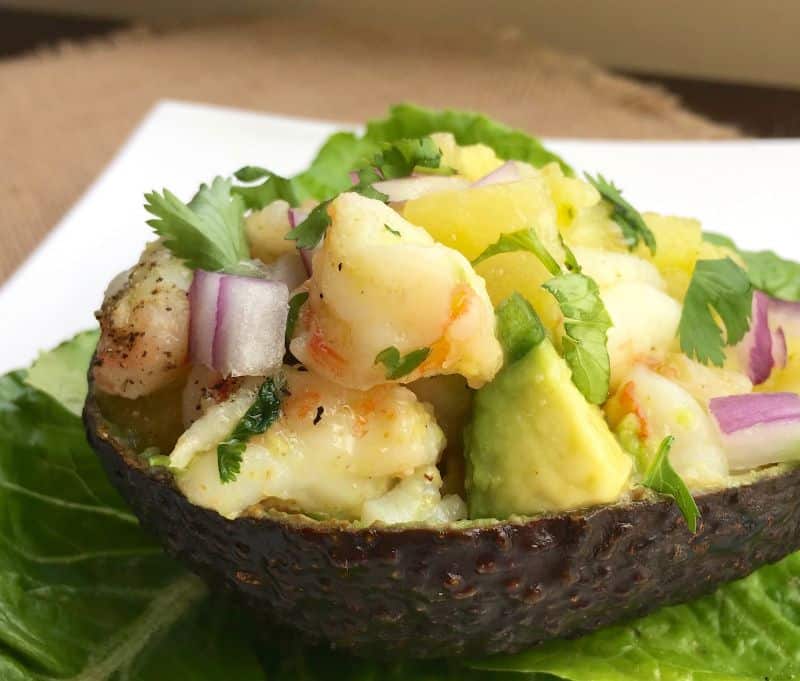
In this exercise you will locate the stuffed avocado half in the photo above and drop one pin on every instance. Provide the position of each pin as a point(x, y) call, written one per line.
point(447, 383)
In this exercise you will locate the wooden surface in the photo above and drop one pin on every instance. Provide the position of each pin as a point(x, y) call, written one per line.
point(88, 96)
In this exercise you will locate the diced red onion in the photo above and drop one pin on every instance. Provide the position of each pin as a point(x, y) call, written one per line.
point(354, 178)
point(780, 352)
point(237, 324)
point(307, 254)
point(203, 297)
point(755, 349)
point(296, 216)
point(407, 188)
point(764, 346)
point(758, 428)
point(251, 325)
point(508, 172)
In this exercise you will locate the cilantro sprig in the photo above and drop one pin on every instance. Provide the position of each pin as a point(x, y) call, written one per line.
point(586, 320)
point(721, 287)
point(630, 221)
point(272, 188)
point(398, 366)
point(398, 159)
point(265, 410)
point(208, 232)
point(586, 325)
point(662, 478)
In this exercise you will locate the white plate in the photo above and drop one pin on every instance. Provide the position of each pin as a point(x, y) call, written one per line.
point(743, 188)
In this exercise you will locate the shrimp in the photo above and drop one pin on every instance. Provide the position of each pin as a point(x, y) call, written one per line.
point(380, 282)
point(332, 450)
point(144, 326)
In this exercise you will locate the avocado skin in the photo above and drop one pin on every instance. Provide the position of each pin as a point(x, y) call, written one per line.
point(424, 592)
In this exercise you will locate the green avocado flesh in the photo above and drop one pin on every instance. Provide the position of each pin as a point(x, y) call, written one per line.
point(536, 445)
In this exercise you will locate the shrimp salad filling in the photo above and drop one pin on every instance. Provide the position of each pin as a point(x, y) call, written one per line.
point(454, 336)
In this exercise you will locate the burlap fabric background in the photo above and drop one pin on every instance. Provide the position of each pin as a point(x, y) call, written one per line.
point(64, 112)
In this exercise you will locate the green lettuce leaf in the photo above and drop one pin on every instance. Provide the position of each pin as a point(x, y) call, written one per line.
point(61, 372)
point(328, 174)
point(407, 120)
point(85, 594)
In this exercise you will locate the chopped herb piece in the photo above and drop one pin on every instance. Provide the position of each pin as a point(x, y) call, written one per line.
point(445, 171)
point(397, 366)
point(393, 231)
point(662, 478)
point(318, 415)
point(523, 240)
point(569, 257)
point(295, 303)
point(586, 324)
point(630, 221)
point(311, 230)
point(208, 232)
point(719, 286)
point(265, 410)
point(273, 187)
point(518, 327)
point(401, 157)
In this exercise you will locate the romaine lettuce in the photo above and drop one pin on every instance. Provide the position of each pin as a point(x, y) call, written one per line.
point(328, 175)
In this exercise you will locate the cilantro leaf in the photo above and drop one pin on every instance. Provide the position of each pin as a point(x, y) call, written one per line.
point(401, 157)
point(393, 231)
point(719, 286)
point(586, 324)
point(663, 478)
point(295, 303)
point(518, 327)
point(625, 215)
point(265, 410)
point(273, 187)
point(397, 366)
point(208, 232)
point(523, 240)
point(311, 230)
point(569, 257)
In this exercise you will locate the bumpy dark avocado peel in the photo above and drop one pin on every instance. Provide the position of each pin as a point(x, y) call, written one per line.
point(430, 592)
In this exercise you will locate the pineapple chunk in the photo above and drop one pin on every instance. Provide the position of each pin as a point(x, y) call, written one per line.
point(679, 242)
point(608, 268)
point(472, 161)
point(570, 194)
point(472, 219)
point(593, 227)
point(521, 272)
